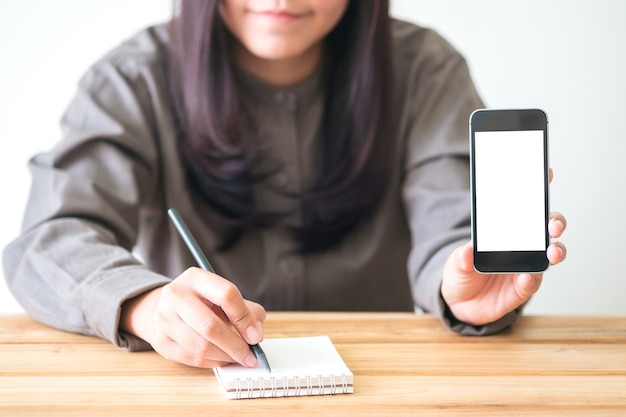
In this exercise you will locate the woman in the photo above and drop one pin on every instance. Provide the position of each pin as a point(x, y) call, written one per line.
point(318, 151)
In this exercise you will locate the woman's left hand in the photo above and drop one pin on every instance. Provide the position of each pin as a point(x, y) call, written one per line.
point(478, 299)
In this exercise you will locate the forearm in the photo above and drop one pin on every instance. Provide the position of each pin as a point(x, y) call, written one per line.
point(71, 275)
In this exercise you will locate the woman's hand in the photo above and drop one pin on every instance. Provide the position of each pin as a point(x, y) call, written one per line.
point(478, 299)
point(191, 320)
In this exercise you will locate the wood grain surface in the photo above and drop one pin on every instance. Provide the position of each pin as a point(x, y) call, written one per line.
point(404, 365)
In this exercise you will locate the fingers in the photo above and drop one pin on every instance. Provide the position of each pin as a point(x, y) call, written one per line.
point(556, 253)
point(525, 286)
point(226, 295)
point(176, 342)
point(557, 224)
point(206, 326)
point(195, 318)
point(257, 311)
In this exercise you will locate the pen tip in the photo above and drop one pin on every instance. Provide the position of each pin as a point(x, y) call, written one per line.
point(260, 356)
point(263, 359)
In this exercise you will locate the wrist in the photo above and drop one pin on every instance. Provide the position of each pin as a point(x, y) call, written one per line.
point(469, 327)
point(137, 314)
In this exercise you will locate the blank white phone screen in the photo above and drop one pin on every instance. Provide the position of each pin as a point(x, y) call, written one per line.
point(509, 186)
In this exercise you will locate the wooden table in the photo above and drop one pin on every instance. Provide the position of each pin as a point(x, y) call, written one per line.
point(404, 364)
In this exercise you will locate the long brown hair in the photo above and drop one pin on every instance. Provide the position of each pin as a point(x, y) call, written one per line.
point(356, 148)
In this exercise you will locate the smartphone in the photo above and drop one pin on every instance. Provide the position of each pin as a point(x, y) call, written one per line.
point(509, 187)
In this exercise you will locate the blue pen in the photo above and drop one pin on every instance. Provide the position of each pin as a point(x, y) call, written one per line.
point(202, 260)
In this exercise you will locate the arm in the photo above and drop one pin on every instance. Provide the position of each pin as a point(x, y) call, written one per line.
point(436, 193)
point(436, 188)
point(72, 267)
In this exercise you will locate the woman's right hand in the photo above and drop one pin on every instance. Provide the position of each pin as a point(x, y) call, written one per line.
point(191, 320)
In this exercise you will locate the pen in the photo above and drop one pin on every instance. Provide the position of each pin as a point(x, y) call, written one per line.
point(202, 260)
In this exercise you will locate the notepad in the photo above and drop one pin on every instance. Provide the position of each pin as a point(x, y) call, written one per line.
point(300, 366)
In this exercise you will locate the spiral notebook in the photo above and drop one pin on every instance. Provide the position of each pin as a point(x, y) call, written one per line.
point(300, 366)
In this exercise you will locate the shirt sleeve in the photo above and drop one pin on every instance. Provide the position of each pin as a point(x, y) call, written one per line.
point(73, 267)
point(436, 188)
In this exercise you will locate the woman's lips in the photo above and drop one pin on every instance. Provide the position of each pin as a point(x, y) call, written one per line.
point(280, 16)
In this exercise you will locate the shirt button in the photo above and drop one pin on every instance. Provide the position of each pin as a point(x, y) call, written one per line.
point(281, 179)
point(279, 97)
point(287, 267)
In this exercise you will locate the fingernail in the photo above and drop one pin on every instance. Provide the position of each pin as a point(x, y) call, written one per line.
point(558, 224)
point(556, 227)
point(559, 251)
point(250, 361)
point(253, 334)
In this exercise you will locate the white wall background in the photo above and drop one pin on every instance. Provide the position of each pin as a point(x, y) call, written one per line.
point(567, 57)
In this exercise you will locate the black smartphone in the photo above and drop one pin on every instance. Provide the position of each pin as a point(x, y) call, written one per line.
point(509, 186)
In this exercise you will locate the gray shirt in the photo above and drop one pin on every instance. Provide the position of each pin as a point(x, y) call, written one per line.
point(96, 232)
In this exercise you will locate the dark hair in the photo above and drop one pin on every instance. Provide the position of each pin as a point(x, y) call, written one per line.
point(355, 151)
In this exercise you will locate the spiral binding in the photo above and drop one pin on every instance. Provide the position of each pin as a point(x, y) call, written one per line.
point(313, 385)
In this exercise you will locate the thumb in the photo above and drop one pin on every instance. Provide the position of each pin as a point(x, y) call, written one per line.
point(465, 259)
point(460, 281)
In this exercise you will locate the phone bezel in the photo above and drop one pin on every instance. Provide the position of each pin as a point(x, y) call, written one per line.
point(509, 120)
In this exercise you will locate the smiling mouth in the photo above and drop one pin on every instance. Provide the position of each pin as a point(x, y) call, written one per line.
point(280, 15)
